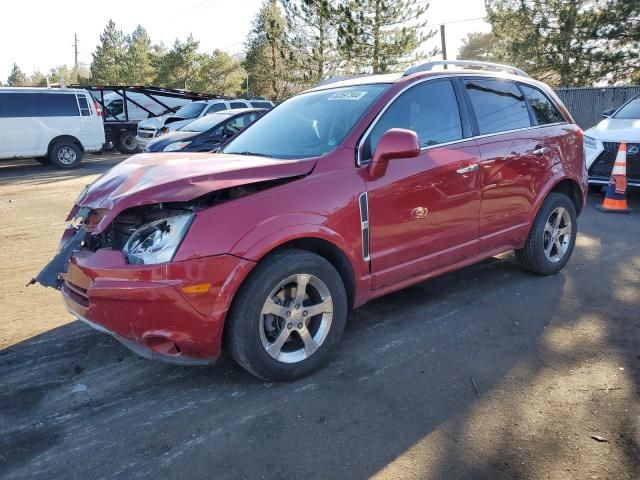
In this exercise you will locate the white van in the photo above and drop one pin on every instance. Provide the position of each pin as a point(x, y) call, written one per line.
point(55, 126)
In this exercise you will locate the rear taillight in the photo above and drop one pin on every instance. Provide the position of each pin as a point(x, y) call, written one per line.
point(98, 107)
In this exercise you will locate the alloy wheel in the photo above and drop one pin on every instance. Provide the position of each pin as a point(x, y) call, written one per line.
point(557, 234)
point(296, 318)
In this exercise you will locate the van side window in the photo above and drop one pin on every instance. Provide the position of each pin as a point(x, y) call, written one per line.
point(543, 110)
point(238, 105)
point(14, 105)
point(430, 109)
point(85, 111)
point(499, 105)
point(24, 104)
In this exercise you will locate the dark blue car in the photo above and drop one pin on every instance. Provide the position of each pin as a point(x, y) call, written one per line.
point(207, 133)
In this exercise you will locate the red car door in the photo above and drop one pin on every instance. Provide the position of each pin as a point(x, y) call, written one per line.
point(423, 212)
point(515, 159)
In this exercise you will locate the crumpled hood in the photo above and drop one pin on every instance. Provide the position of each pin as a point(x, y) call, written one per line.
point(150, 178)
point(616, 130)
point(155, 122)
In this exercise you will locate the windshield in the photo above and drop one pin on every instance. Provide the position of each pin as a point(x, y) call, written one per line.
point(631, 111)
point(190, 110)
point(205, 123)
point(307, 125)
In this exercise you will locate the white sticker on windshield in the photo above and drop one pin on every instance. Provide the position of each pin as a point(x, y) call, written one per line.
point(347, 95)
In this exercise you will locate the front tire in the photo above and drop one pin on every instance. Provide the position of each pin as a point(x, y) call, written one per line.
point(288, 316)
point(65, 154)
point(552, 236)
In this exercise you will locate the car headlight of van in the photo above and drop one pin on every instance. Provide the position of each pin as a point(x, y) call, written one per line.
point(590, 142)
point(172, 147)
point(157, 242)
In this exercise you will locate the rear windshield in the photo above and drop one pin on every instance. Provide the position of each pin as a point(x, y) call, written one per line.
point(36, 104)
point(190, 110)
point(307, 125)
point(205, 123)
point(631, 111)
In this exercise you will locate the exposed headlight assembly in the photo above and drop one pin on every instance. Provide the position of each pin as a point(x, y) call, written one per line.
point(590, 142)
point(157, 242)
point(172, 147)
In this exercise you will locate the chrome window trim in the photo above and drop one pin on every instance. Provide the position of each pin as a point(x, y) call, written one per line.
point(364, 136)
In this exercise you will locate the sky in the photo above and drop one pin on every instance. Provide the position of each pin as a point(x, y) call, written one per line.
point(39, 35)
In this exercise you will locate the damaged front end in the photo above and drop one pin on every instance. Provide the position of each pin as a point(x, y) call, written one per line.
point(145, 234)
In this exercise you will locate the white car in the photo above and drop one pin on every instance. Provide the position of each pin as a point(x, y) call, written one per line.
point(150, 129)
point(603, 141)
point(55, 126)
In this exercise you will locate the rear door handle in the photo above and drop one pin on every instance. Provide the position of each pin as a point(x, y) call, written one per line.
point(469, 169)
point(540, 151)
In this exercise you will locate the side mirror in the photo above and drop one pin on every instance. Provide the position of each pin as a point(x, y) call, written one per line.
point(608, 113)
point(395, 143)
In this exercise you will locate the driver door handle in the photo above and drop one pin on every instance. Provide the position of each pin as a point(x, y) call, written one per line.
point(471, 168)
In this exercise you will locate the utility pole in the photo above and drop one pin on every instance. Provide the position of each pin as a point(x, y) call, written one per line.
point(75, 49)
point(443, 41)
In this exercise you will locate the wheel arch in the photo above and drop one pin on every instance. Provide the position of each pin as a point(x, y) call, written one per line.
point(571, 189)
point(70, 138)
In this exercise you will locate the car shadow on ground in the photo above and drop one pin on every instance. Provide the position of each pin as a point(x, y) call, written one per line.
point(413, 367)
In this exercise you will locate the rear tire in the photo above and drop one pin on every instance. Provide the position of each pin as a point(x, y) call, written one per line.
point(275, 335)
point(552, 236)
point(127, 143)
point(65, 154)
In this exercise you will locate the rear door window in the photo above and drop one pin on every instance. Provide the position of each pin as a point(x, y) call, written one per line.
point(499, 105)
point(238, 105)
point(430, 109)
point(85, 111)
point(543, 110)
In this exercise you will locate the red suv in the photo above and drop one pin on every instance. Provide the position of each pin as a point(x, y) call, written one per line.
point(343, 193)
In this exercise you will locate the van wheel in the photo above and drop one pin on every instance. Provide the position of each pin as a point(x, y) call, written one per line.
point(65, 154)
point(288, 317)
point(552, 236)
point(127, 143)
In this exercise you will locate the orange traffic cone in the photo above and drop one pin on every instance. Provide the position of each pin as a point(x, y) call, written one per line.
point(615, 201)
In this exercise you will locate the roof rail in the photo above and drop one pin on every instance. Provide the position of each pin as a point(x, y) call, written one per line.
point(425, 67)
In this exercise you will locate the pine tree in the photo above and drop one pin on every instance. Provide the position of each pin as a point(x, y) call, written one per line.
point(379, 36)
point(17, 78)
point(267, 55)
point(178, 67)
point(479, 46)
point(219, 74)
point(139, 68)
point(109, 58)
point(312, 38)
point(568, 42)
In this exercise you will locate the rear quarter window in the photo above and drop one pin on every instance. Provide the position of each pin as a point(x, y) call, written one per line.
point(543, 110)
point(499, 105)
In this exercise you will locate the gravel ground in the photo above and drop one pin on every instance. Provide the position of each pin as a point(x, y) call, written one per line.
point(489, 372)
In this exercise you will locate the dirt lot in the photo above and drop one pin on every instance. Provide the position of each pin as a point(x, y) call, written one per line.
point(486, 373)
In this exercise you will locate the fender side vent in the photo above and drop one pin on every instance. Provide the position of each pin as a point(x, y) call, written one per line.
point(363, 201)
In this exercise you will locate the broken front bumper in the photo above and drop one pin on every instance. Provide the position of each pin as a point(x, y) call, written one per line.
point(145, 306)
